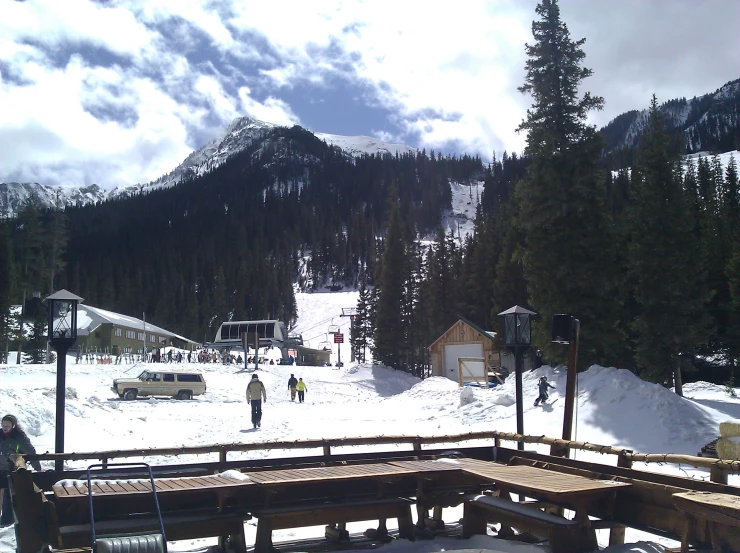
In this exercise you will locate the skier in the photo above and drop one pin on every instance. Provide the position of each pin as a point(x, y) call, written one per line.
point(256, 393)
point(292, 382)
point(543, 385)
point(301, 388)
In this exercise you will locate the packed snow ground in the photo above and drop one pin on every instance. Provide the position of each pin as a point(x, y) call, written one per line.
point(614, 408)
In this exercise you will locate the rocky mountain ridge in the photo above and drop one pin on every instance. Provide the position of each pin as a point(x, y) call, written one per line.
point(240, 135)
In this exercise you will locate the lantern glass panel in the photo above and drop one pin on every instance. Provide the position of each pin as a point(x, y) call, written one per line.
point(509, 330)
point(523, 329)
point(62, 319)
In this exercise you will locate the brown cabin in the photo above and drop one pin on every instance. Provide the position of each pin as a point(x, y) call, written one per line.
point(462, 339)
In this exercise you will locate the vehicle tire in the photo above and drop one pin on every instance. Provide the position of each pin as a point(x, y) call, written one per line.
point(184, 394)
point(129, 395)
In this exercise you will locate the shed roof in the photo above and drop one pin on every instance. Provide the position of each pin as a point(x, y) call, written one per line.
point(487, 333)
point(89, 318)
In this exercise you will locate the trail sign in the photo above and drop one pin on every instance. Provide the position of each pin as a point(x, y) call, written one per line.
point(339, 338)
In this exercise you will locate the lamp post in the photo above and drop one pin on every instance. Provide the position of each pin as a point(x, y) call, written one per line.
point(518, 337)
point(62, 335)
point(566, 330)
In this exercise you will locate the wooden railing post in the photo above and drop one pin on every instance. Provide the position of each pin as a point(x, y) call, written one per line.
point(718, 474)
point(327, 450)
point(624, 459)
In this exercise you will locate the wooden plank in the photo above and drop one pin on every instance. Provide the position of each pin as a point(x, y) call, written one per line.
point(426, 465)
point(522, 477)
point(716, 507)
point(142, 486)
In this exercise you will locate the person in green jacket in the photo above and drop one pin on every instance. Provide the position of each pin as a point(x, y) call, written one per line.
point(301, 389)
point(12, 440)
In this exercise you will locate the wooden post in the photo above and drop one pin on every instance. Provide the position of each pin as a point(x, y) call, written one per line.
point(222, 456)
point(417, 445)
point(570, 385)
point(717, 474)
point(623, 460)
point(327, 451)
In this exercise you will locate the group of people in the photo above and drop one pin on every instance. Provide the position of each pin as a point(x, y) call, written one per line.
point(13, 440)
point(257, 394)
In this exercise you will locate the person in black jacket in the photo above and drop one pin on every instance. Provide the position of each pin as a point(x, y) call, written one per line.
point(12, 440)
point(292, 383)
point(543, 385)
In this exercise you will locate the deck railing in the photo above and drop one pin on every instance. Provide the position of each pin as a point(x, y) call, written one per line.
point(719, 468)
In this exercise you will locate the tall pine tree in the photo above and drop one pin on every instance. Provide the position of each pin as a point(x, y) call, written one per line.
point(568, 261)
point(669, 289)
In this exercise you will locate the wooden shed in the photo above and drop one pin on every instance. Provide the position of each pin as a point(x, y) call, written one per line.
point(464, 339)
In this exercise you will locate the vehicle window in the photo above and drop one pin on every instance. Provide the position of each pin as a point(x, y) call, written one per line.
point(155, 377)
point(169, 377)
point(188, 378)
point(144, 375)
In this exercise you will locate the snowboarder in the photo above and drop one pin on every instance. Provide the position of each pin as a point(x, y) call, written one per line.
point(255, 395)
point(12, 440)
point(292, 382)
point(543, 385)
point(301, 388)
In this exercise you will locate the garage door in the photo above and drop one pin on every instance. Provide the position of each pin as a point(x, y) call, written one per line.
point(453, 353)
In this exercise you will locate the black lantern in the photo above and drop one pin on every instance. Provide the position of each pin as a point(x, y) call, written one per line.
point(63, 319)
point(517, 327)
point(518, 337)
point(62, 335)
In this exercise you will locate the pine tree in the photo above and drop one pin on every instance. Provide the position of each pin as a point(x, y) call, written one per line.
point(568, 261)
point(388, 338)
point(7, 288)
point(669, 285)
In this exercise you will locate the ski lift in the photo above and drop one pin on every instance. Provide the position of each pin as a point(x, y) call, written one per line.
point(334, 329)
point(326, 345)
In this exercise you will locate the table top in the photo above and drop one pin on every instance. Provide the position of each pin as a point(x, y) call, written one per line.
point(324, 474)
point(78, 488)
point(522, 478)
point(720, 507)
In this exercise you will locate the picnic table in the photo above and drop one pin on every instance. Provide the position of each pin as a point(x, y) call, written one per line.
point(573, 492)
point(720, 512)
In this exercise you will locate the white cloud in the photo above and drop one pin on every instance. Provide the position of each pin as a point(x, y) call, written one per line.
point(272, 110)
point(446, 73)
point(73, 21)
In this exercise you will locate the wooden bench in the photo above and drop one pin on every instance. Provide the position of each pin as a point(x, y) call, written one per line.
point(178, 526)
point(296, 516)
point(719, 512)
point(565, 536)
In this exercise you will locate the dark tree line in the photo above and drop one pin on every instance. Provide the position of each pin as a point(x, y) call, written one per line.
point(290, 211)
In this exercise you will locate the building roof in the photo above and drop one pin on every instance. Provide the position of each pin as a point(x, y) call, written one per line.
point(89, 318)
point(487, 333)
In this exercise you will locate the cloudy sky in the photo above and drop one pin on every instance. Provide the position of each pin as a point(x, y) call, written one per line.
point(117, 92)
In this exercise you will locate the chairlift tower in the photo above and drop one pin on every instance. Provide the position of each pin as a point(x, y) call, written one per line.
point(350, 312)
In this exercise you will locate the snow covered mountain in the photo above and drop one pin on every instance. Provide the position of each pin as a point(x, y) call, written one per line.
point(13, 194)
point(710, 122)
point(242, 133)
